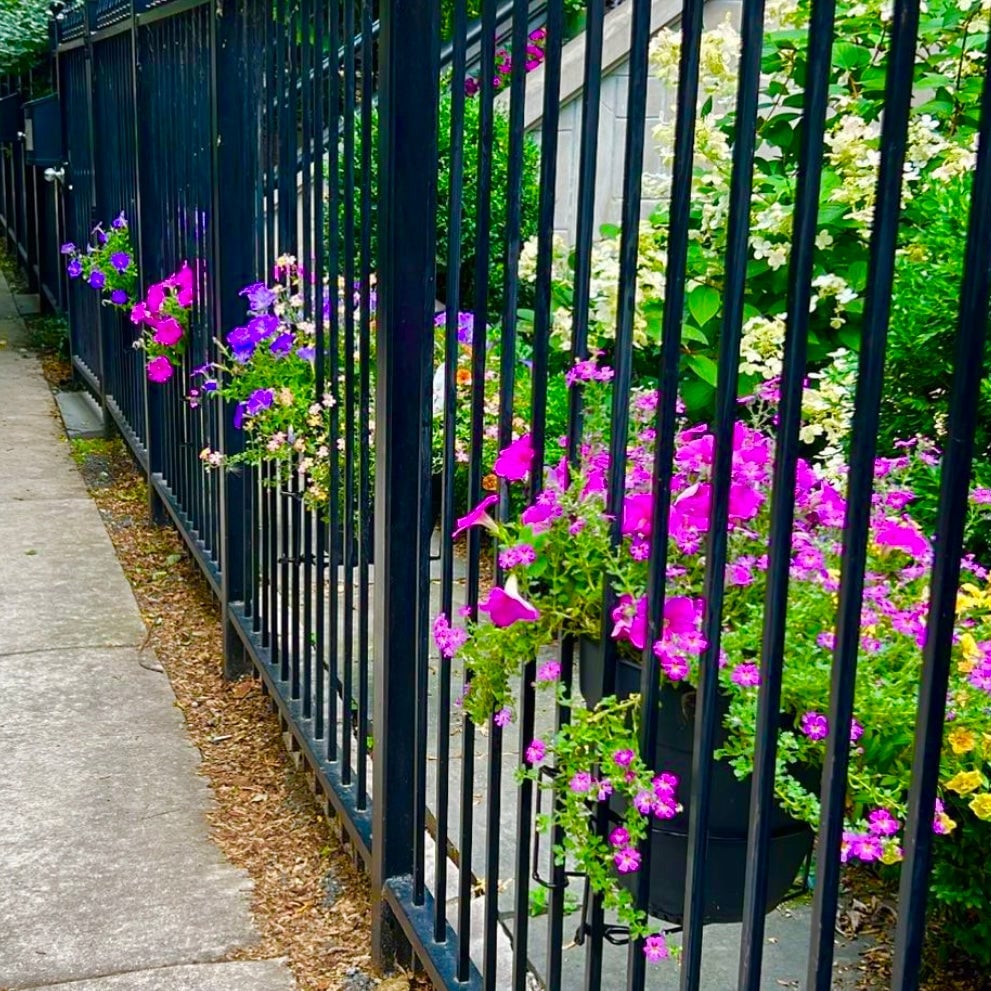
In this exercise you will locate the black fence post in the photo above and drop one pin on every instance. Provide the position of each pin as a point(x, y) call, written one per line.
point(237, 69)
point(103, 345)
point(407, 198)
point(147, 235)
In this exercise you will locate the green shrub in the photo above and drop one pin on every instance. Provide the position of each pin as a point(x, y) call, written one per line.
point(23, 34)
point(500, 185)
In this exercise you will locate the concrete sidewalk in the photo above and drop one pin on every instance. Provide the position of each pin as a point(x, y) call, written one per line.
point(108, 878)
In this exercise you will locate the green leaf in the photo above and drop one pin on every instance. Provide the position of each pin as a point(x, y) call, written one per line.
point(703, 304)
point(690, 333)
point(697, 395)
point(704, 367)
point(850, 57)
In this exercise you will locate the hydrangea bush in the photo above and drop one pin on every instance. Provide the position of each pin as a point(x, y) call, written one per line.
point(107, 264)
point(554, 557)
point(942, 136)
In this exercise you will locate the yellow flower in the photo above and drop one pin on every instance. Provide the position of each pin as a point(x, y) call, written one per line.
point(967, 597)
point(947, 825)
point(971, 654)
point(964, 782)
point(891, 855)
point(962, 740)
point(980, 805)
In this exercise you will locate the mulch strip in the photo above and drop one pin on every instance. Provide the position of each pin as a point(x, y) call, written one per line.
point(310, 902)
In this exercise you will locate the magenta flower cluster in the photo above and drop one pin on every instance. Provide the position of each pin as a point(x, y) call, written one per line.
point(536, 42)
point(164, 316)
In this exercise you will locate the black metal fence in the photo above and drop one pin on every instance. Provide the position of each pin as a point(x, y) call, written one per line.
point(234, 134)
point(29, 203)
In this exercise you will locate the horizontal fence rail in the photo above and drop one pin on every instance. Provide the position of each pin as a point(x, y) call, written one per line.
point(353, 331)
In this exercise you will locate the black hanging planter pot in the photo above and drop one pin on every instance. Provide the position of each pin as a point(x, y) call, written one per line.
point(729, 815)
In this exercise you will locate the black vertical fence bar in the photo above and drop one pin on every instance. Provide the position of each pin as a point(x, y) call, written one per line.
point(954, 487)
point(623, 367)
point(309, 276)
point(423, 535)
point(783, 491)
point(236, 95)
point(336, 552)
point(364, 398)
point(102, 344)
point(348, 241)
point(863, 448)
point(507, 397)
point(447, 512)
point(408, 132)
point(479, 345)
point(151, 236)
point(320, 14)
point(666, 423)
point(585, 230)
point(587, 170)
point(538, 420)
point(741, 185)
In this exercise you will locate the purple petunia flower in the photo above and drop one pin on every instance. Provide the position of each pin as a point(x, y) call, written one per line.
point(814, 725)
point(120, 260)
point(882, 823)
point(306, 353)
point(67, 249)
point(655, 948)
point(581, 782)
point(97, 279)
point(627, 860)
point(624, 758)
point(74, 268)
point(746, 675)
point(620, 836)
point(260, 297)
point(282, 345)
point(260, 399)
point(536, 751)
point(118, 297)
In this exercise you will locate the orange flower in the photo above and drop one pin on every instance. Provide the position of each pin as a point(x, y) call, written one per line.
point(490, 483)
point(463, 376)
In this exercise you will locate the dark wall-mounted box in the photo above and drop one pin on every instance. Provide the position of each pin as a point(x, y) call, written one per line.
point(43, 132)
point(11, 124)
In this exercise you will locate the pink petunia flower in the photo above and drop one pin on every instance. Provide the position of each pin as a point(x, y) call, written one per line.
point(655, 948)
point(902, 537)
point(478, 515)
point(506, 606)
point(814, 725)
point(168, 332)
point(513, 462)
point(630, 620)
point(160, 369)
point(627, 860)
